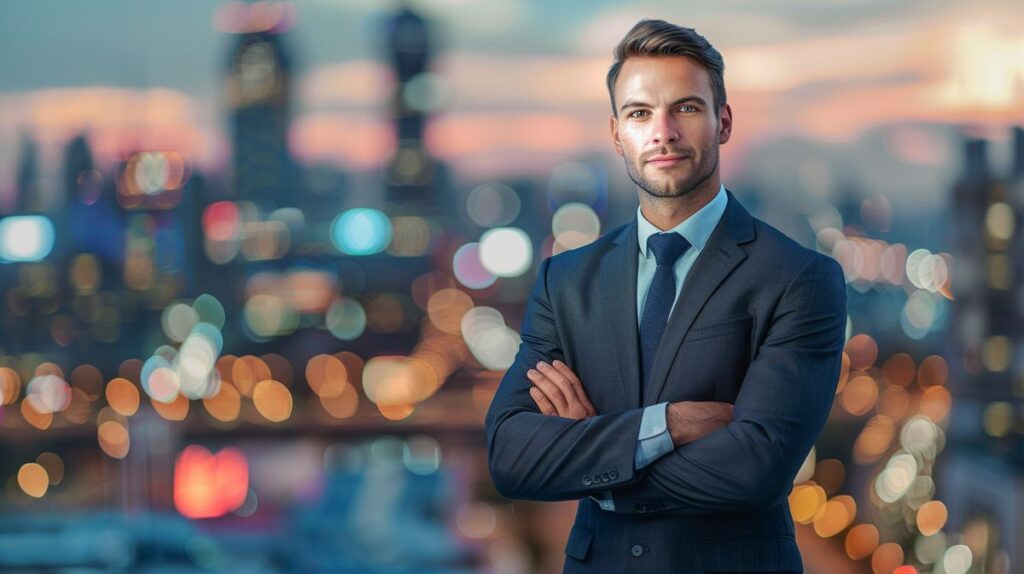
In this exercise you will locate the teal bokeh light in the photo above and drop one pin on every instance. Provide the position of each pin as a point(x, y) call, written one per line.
point(361, 231)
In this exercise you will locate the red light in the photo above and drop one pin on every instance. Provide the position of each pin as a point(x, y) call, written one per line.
point(209, 485)
point(221, 221)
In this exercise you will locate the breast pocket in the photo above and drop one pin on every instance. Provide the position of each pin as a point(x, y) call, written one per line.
point(711, 361)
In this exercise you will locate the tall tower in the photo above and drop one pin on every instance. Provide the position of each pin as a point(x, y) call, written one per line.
point(28, 191)
point(411, 174)
point(984, 471)
point(258, 93)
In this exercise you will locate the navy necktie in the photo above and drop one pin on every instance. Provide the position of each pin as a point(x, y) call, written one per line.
point(667, 248)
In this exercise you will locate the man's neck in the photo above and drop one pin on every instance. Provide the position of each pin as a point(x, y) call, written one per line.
point(668, 212)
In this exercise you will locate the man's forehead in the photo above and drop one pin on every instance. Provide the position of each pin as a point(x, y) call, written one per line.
point(661, 72)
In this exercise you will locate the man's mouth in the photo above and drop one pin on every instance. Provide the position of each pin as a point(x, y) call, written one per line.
point(667, 160)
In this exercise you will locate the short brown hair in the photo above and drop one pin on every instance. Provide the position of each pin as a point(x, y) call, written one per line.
point(660, 38)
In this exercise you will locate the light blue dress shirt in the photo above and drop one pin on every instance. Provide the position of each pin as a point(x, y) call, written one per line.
point(654, 440)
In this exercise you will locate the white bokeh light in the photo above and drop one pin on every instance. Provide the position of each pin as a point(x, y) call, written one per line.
point(506, 251)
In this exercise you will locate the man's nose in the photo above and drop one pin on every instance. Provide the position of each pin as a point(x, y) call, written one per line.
point(665, 130)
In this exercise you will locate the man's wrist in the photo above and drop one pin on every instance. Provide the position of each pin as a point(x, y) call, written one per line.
point(676, 423)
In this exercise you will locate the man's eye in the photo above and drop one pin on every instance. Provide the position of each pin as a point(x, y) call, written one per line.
point(638, 113)
point(687, 108)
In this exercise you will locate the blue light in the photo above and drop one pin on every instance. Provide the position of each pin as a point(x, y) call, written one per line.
point(361, 231)
point(25, 238)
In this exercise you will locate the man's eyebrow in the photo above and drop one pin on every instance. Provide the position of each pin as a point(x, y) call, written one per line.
point(634, 104)
point(682, 100)
point(687, 99)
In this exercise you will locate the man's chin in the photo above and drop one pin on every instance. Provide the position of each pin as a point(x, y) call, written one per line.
point(667, 191)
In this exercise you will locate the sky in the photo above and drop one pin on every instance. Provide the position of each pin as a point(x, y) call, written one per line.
point(523, 79)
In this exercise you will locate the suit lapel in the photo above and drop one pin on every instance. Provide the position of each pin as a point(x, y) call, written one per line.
point(618, 281)
point(719, 257)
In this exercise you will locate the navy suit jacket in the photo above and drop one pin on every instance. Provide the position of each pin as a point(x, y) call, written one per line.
point(760, 323)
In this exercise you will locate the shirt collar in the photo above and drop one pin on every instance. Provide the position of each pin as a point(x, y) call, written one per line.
point(696, 229)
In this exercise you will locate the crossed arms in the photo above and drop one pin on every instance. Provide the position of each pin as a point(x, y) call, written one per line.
point(546, 442)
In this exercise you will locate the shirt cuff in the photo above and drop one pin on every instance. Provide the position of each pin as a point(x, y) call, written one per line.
point(654, 440)
point(604, 500)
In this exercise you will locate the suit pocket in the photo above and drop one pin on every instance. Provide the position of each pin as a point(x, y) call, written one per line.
point(754, 554)
point(579, 542)
point(721, 328)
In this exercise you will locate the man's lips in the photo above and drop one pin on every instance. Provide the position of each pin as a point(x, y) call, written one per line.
point(666, 160)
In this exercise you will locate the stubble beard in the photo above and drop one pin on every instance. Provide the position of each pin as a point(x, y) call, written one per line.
point(677, 187)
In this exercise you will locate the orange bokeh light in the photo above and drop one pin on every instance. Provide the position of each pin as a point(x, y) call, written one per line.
point(208, 485)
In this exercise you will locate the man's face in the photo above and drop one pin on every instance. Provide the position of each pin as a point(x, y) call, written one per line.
point(665, 126)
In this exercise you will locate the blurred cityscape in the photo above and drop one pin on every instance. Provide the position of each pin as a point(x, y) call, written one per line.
point(271, 362)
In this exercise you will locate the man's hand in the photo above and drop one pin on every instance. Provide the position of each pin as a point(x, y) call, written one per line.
point(691, 420)
point(558, 391)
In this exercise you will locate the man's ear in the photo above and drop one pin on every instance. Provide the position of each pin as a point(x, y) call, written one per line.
point(725, 124)
point(613, 123)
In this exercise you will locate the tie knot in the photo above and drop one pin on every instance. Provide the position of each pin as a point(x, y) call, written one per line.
point(667, 247)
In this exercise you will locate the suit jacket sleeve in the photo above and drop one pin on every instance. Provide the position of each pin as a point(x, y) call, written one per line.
point(539, 457)
point(781, 408)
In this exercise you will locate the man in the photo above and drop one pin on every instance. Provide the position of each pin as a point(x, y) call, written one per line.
point(674, 374)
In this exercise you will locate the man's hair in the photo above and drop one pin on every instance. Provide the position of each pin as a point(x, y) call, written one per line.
point(660, 38)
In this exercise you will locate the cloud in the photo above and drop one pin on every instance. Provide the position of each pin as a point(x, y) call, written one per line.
point(352, 84)
point(157, 118)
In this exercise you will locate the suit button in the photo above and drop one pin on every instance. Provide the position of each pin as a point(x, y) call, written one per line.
point(605, 477)
point(614, 474)
point(637, 550)
point(587, 481)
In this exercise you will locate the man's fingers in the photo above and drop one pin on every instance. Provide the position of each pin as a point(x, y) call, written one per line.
point(577, 385)
point(543, 403)
point(558, 379)
point(566, 371)
point(563, 384)
point(549, 389)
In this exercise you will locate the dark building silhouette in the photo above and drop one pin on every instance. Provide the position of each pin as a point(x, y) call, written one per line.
point(27, 182)
point(983, 474)
point(413, 178)
point(258, 91)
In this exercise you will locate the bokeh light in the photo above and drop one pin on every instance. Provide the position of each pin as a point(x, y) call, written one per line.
point(804, 502)
point(957, 559)
point(33, 479)
point(25, 238)
point(346, 319)
point(10, 386)
point(886, 558)
point(175, 410)
point(446, 309)
point(222, 221)
point(506, 251)
point(834, 516)
point(123, 396)
point(54, 466)
point(209, 310)
point(113, 438)
point(492, 343)
point(469, 268)
point(931, 517)
point(48, 393)
point(893, 482)
point(273, 400)
point(492, 205)
point(361, 231)
point(177, 321)
point(225, 405)
point(208, 485)
point(861, 541)
point(574, 225)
